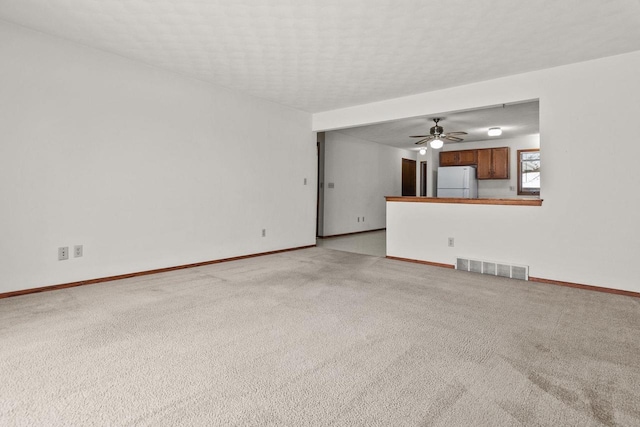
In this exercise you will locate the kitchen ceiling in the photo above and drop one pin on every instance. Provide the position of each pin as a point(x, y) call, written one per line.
point(514, 119)
point(319, 55)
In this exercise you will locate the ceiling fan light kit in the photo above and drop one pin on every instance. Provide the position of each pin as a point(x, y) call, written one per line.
point(436, 143)
point(423, 151)
point(437, 136)
point(495, 132)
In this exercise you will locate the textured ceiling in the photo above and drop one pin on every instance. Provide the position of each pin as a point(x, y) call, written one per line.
point(514, 120)
point(317, 55)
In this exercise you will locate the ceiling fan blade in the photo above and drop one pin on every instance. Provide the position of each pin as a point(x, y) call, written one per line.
point(453, 138)
point(419, 136)
point(422, 141)
point(456, 133)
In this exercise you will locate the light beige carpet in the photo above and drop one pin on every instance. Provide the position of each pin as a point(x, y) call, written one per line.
point(320, 337)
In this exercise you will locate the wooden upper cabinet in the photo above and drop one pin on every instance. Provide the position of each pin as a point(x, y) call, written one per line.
point(458, 158)
point(467, 157)
point(493, 163)
point(500, 162)
point(484, 163)
point(448, 158)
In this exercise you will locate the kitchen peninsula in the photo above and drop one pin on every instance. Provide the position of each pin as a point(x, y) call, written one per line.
point(437, 230)
point(484, 201)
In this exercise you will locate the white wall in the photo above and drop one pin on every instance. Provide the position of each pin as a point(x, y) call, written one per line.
point(145, 168)
point(500, 188)
point(363, 173)
point(587, 229)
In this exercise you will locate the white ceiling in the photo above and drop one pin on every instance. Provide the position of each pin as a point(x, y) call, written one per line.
point(318, 55)
point(514, 120)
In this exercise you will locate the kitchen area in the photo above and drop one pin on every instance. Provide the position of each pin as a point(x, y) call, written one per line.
point(491, 153)
point(481, 184)
point(507, 171)
point(474, 168)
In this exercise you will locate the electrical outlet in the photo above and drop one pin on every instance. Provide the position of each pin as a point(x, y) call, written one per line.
point(63, 253)
point(77, 251)
point(362, 219)
point(358, 219)
point(305, 181)
point(264, 232)
point(451, 242)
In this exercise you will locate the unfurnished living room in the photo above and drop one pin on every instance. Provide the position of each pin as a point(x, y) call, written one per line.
point(322, 213)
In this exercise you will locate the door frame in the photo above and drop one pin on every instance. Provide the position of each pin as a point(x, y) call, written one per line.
point(423, 178)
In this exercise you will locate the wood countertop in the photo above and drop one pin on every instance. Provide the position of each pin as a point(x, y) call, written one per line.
point(511, 202)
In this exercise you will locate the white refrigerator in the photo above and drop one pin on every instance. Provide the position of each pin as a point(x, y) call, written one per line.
point(457, 181)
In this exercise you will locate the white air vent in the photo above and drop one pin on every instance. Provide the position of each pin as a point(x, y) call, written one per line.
point(518, 272)
point(475, 266)
point(462, 264)
point(493, 268)
point(489, 268)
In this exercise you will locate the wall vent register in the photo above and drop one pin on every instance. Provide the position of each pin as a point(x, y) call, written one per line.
point(492, 268)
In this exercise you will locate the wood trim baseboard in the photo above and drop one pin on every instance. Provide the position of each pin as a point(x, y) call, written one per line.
point(537, 279)
point(586, 287)
point(142, 273)
point(217, 261)
point(416, 261)
point(350, 234)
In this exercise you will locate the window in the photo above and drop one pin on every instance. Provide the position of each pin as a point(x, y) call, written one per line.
point(529, 172)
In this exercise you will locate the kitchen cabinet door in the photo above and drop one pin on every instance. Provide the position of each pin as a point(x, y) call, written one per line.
point(467, 157)
point(493, 163)
point(500, 161)
point(448, 158)
point(458, 158)
point(484, 163)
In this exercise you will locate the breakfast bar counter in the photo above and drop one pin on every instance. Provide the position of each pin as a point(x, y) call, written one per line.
point(513, 202)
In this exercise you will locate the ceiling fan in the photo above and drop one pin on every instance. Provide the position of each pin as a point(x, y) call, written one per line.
point(437, 135)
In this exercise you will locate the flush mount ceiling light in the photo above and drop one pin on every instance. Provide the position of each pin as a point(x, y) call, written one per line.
point(423, 151)
point(495, 132)
point(436, 143)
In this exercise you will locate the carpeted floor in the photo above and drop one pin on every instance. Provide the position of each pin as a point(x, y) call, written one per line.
point(320, 337)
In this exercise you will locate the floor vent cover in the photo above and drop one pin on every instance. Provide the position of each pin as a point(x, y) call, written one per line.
point(512, 271)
